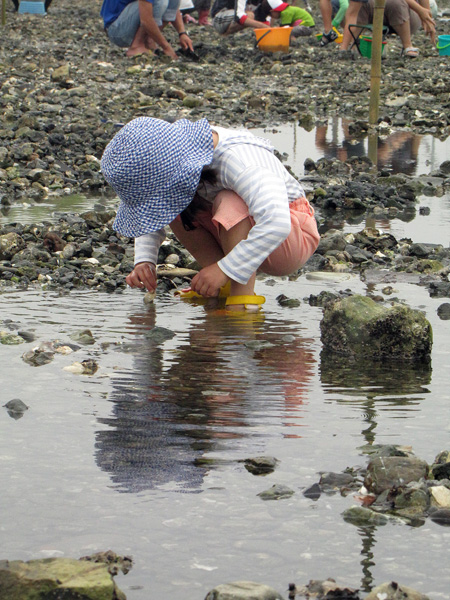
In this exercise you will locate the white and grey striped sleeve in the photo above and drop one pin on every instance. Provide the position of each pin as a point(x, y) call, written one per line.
point(265, 194)
point(146, 247)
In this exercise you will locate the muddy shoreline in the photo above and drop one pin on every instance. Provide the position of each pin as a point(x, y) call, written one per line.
point(65, 90)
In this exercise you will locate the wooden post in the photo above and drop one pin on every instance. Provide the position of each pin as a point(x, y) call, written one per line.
point(3, 12)
point(372, 151)
point(375, 73)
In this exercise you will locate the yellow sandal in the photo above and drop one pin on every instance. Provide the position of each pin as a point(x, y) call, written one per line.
point(188, 294)
point(252, 303)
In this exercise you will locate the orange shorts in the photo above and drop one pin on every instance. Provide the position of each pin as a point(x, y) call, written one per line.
point(229, 209)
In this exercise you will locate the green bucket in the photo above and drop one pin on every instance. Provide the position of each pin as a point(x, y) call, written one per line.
point(365, 46)
point(443, 45)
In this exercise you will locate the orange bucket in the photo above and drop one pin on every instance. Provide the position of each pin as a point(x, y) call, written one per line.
point(273, 39)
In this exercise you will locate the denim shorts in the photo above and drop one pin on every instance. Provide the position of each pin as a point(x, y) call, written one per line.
point(165, 10)
point(122, 31)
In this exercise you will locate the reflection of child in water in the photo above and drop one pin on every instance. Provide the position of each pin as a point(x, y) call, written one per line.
point(294, 16)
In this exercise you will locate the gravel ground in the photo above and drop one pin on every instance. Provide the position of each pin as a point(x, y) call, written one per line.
point(65, 89)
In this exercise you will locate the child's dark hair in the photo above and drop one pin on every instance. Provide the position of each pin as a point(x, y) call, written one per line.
point(198, 202)
point(262, 11)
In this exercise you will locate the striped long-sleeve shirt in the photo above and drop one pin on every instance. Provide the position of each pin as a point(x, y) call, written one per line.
point(246, 165)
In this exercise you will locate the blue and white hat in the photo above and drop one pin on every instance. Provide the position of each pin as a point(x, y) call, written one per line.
point(154, 167)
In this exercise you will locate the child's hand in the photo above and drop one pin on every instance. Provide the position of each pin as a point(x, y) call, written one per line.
point(143, 275)
point(209, 281)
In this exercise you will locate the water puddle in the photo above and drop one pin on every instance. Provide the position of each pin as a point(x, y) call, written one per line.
point(397, 152)
point(145, 456)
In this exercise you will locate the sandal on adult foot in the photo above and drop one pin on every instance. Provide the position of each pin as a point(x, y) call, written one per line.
point(328, 37)
point(251, 303)
point(410, 52)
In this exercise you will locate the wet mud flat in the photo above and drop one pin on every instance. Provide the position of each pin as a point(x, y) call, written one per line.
point(65, 90)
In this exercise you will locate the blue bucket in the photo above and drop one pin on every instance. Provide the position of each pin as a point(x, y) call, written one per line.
point(33, 7)
point(443, 45)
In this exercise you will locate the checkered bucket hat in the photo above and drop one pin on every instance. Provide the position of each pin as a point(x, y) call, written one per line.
point(154, 167)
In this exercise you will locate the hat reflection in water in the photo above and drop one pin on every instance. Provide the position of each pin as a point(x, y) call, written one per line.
point(155, 167)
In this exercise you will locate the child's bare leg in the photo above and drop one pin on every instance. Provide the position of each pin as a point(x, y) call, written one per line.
point(199, 242)
point(229, 239)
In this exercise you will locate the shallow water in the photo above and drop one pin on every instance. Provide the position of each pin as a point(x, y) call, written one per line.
point(398, 152)
point(143, 457)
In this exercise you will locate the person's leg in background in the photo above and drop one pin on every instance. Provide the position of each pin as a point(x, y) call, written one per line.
point(400, 20)
point(351, 18)
point(326, 10)
point(404, 22)
point(203, 7)
point(126, 31)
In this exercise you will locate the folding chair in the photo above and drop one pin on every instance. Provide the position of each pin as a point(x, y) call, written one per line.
point(359, 29)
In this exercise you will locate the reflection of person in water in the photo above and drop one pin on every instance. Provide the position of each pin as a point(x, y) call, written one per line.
point(397, 152)
point(181, 402)
point(375, 387)
point(335, 149)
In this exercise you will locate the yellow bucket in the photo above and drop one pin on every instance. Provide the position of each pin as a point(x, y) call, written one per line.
point(273, 39)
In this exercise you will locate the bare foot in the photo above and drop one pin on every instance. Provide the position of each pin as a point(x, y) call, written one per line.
point(136, 51)
point(150, 44)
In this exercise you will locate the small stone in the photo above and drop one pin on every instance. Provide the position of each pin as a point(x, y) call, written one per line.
point(314, 492)
point(61, 73)
point(149, 297)
point(64, 350)
point(389, 471)
point(287, 302)
point(243, 590)
point(86, 367)
point(261, 465)
point(443, 311)
point(159, 335)
point(395, 591)
point(332, 482)
point(76, 368)
point(258, 345)
point(441, 516)
point(84, 337)
point(440, 496)
point(37, 357)
point(16, 408)
point(9, 339)
point(276, 492)
point(327, 588)
point(361, 516)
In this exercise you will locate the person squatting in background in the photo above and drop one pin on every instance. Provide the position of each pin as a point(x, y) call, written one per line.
point(230, 16)
point(298, 18)
point(404, 18)
point(226, 196)
point(137, 25)
point(187, 7)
